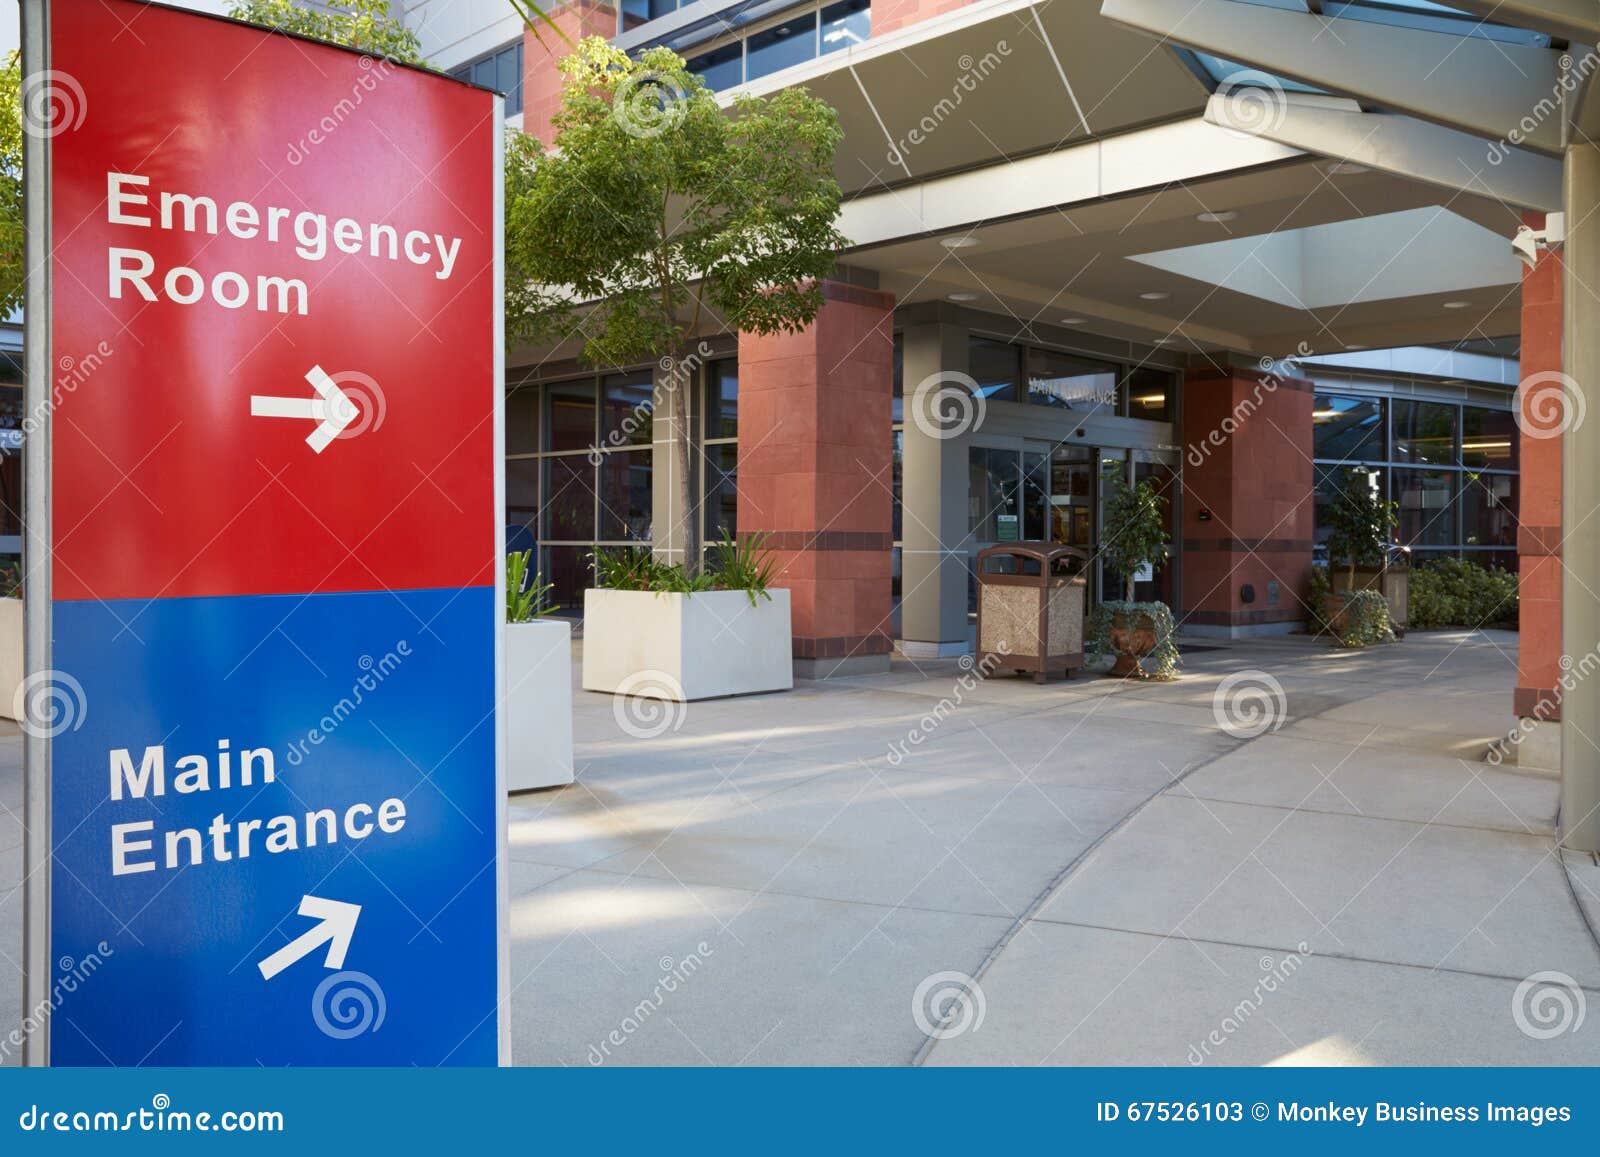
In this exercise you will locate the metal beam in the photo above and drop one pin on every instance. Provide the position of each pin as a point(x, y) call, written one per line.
point(1401, 145)
point(1565, 19)
point(1508, 92)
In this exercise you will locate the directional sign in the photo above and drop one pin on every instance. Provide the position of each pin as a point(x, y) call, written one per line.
point(263, 554)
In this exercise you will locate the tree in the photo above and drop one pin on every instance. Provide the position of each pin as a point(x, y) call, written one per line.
point(659, 210)
point(12, 259)
point(366, 25)
point(1361, 523)
point(1135, 531)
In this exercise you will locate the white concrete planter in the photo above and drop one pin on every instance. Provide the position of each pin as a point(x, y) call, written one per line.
point(538, 704)
point(683, 647)
point(11, 626)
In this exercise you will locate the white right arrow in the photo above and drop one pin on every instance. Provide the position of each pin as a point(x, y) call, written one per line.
point(332, 408)
point(336, 924)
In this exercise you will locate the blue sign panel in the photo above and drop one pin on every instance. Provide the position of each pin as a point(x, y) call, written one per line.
point(274, 836)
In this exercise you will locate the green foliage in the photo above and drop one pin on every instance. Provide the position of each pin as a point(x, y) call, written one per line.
point(742, 566)
point(365, 25)
point(730, 566)
point(1362, 522)
point(1163, 658)
point(12, 259)
point(1135, 528)
point(527, 595)
point(1366, 620)
point(1454, 593)
point(1321, 587)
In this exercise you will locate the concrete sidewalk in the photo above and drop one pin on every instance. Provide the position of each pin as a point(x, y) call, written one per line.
point(1111, 872)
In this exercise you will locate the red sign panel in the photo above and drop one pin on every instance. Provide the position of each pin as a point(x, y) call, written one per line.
point(250, 253)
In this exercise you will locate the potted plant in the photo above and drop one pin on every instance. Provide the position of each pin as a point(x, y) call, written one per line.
point(661, 631)
point(12, 627)
point(1134, 539)
point(1362, 524)
point(538, 690)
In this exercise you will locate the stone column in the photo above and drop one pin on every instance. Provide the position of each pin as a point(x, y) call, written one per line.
point(815, 475)
point(1248, 503)
point(1580, 491)
point(933, 523)
point(673, 395)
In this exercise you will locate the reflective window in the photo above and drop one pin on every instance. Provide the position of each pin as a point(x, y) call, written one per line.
point(1488, 509)
point(845, 24)
point(721, 67)
point(790, 43)
point(1427, 501)
point(1151, 394)
point(994, 494)
point(625, 496)
point(637, 12)
point(570, 420)
point(625, 418)
point(1072, 383)
point(1348, 429)
point(722, 399)
point(796, 40)
point(501, 71)
point(1488, 438)
point(993, 365)
point(1424, 432)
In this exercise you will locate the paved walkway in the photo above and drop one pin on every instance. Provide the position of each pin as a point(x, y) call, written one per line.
point(808, 877)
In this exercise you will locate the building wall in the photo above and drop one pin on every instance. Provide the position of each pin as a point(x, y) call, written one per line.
point(890, 15)
point(1539, 535)
point(541, 48)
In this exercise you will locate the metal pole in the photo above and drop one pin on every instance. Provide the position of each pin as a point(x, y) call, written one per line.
point(37, 970)
point(1580, 495)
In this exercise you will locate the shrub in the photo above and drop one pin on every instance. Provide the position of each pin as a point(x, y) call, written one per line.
point(1317, 601)
point(1366, 620)
point(1454, 593)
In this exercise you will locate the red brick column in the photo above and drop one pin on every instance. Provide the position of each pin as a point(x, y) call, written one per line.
point(815, 474)
point(1539, 503)
point(889, 15)
point(541, 79)
point(1248, 507)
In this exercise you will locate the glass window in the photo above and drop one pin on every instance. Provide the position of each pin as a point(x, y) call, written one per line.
point(485, 73)
point(569, 498)
point(636, 12)
point(897, 455)
point(1072, 383)
point(993, 365)
point(721, 490)
point(790, 43)
point(1151, 394)
point(994, 492)
point(1488, 438)
point(846, 24)
point(1424, 433)
point(1488, 509)
point(629, 407)
point(1329, 482)
point(1072, 496)
point(509, 69)
point(522, 420)
point(522, 503)
point(1035, 495)
point(625, 496)
point(722, 399)
point(721, 68)
point(1348, 429)
point(571, 415)
point(566, 568)
point(899, 378)
point(1427, 501)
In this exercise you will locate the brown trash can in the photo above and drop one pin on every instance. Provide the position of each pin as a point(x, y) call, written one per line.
point(1031, 608)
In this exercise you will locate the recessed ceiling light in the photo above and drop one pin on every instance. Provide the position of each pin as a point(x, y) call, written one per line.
point(1155, 295)
point(962, 296)
point(1457, 304)
point(1355, 347)
point(1343, 169)
point(1216, 218)
point(1074, 321)
point(1164, 340)
point(958, 242)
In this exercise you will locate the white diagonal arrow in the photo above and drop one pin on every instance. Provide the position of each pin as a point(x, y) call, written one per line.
point(332, 408)
point(336, 924)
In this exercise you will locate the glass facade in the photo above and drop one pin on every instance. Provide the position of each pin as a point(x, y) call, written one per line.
point(1004, 372)
point(500, 70)
point(793, 40)
point(1451, 467)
